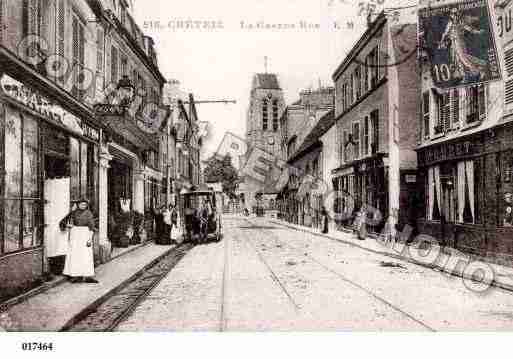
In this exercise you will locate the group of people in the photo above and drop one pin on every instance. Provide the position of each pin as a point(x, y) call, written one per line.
point(80, 224)
point(199, 219)
point(166, 224)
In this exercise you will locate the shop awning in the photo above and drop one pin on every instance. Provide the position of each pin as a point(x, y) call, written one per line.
point(130, 131)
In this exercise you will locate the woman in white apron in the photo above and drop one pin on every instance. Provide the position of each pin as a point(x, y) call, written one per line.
point(79, 265)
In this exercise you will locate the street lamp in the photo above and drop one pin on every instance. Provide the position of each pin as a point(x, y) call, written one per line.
point(126, 91)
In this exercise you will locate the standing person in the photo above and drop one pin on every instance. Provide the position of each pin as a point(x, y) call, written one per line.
point(362, 223)
point(166, 227)
point(79, 265)
point(159, 224)
point(325, 220)
point(174, 223)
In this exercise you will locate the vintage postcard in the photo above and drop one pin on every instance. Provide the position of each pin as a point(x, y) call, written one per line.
point(290, 166)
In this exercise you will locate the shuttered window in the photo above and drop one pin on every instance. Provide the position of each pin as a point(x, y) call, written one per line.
point(61, 16)
point(30, 17)
point(114, 65)
point(375, 131)
point(78, 53)
point(476, 107)
point(444, 113)
point(455, 108)
point(425, 113)
point(100, 41)
point(508, 58)
point(1, 21)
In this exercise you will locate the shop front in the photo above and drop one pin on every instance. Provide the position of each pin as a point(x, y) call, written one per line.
point(128, 200)
point(467, 193)
point(49, 159)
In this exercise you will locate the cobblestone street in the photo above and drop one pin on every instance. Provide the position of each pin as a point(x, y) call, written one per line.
point(264, 276)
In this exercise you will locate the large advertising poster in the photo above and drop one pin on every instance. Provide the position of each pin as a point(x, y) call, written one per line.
point(458, 40)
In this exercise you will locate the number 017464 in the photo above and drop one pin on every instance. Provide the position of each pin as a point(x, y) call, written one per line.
point(37, 346)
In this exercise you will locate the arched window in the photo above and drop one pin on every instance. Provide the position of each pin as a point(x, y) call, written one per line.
point(265, 115)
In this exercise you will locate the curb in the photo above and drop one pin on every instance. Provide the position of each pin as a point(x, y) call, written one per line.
point(99, 301)
point(9, 303)
point(494, 283)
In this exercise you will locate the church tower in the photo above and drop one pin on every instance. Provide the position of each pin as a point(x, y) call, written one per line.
point(266, 105)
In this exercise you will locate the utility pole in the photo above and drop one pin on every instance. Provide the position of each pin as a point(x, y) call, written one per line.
point(211, 101)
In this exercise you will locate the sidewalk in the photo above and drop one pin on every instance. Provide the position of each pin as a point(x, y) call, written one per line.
point(52, 309)
point(503, 275)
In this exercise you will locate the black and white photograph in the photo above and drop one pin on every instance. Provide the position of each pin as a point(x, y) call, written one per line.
point(313, 170)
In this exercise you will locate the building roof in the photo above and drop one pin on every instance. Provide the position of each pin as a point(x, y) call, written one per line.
point(325, 123)
point(267, 81)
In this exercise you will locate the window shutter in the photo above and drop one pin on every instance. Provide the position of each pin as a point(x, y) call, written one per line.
point(61, 16)
point(1, 21)
point(74, 40)
point(455, 107)
point(99, 50)
point(81, 44)
point(508, 58)
point(114, 65)
point(446, 111)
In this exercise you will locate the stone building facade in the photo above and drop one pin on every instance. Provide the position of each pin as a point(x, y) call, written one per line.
point(77, 80)
point(376, 111)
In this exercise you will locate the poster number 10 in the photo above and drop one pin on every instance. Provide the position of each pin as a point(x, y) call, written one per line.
point(442, 72)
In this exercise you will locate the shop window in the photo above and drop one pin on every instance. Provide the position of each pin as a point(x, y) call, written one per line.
point(92, 175)
point(21, 193)
point(448, 198)
point(433, 194)
point(466, 192)
point(74, 168)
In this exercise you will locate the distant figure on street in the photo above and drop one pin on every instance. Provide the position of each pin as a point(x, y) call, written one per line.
point(174, 223)
point(79, 265)
point(166, 226)
point(325, 220)
point(159, 224)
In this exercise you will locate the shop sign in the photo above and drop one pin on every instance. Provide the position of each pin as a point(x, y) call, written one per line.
point(458, 40)
point(447, 151)
point(36, 101)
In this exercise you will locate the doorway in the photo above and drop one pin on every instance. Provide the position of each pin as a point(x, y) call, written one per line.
point(119, 187)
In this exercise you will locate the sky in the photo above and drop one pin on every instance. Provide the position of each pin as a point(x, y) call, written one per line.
point(219, 62)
